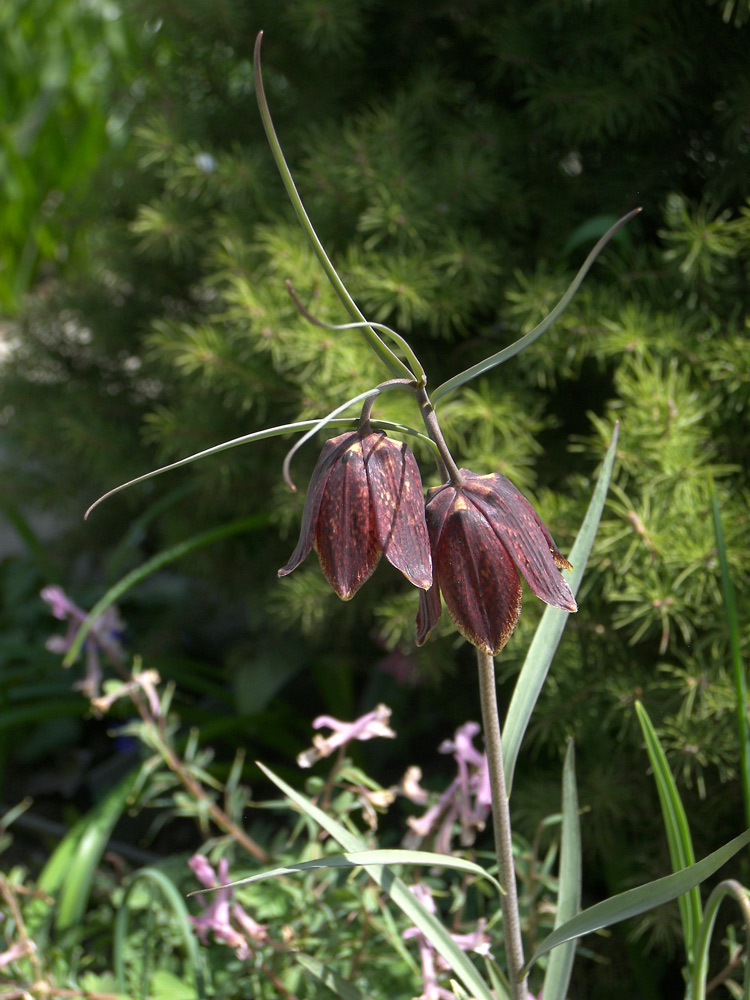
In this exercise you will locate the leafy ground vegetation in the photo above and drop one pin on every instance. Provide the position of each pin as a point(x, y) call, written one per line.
point(458, 160)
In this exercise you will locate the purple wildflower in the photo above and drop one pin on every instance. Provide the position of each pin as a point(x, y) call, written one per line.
point(104, 637)
point(432, 964)
point(367, 727)
point(467, 798)
point(218, 914)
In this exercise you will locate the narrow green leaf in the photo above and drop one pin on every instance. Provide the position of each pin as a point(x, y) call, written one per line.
point(740, 682)
point(268, 432)
point(676, 826)
point(154, 564)
point(394, 364)
point(180, 920)
point(560, 966)
point(532, 335)
point(640, 900)
point(329, 977)
point(699, 970)
point(545, 641)
point(428, 924)
point(70, 869)
point(361, 859)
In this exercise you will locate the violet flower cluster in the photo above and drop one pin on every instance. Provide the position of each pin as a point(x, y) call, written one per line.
point(223, 917)
point(104, 638)
point(467, 801)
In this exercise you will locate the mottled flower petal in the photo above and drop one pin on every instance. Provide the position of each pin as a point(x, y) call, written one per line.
point(346, 537)
point(398, 502)
point(478, 580)
point(330, 454)
point(520, 529)
point(429, 610)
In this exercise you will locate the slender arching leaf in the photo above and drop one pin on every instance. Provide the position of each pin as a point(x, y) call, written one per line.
point(386, 355)
point(361, 859)
point(636, 901)
point(547, 636)
point(508, 352)
point(560, 965)
point(699, 969)
point(676, 826)
point(152, 565)
point(428, 924)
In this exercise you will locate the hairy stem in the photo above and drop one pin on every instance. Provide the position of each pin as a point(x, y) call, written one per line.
point(501, 825)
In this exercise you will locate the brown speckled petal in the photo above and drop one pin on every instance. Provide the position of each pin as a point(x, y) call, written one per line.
point(398, 502)
point(478, 579)
point(346, 538)
point(521, 531)
point(330, 454)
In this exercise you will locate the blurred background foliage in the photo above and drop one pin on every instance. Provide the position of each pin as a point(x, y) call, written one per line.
point(458, 160)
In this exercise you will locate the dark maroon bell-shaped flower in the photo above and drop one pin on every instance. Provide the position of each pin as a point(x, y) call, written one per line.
point(365, 499)
point(480, 534)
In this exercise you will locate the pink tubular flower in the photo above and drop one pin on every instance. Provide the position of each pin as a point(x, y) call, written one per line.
point(372, 724)
point(104, 636)
point(467, 799)
point(477, 941)
point(217, 915)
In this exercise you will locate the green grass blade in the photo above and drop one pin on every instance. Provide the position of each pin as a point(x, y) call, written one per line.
point(545, 641)
point(70, 869)
point(740, 682)
point(699, 970)
point(176, 904)
point(156, 563)
point(532, 335)
point(560, 966)
point(677, 829)
point(361, 859)
point(429, 925)
point(641, 899)
point(329, 977)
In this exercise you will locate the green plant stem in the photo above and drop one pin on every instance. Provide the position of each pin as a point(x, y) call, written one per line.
point(446, 464)
point(501, 824)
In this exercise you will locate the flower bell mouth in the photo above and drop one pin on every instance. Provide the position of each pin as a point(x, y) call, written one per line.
point(482, 534)
point(365, 499)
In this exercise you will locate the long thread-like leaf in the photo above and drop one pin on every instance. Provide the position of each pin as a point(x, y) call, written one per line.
point(676, 826)
point(508, 352)
point(547, 636)
point(641, 899)
point(394, 364)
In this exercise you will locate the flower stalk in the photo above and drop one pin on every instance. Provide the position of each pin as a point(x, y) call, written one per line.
point(501, 826)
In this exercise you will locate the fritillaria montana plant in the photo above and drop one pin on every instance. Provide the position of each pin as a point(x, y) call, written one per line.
point(465, 545)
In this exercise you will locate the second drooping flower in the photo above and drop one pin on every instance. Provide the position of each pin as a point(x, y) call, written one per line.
point(481, 533)
point(364, 500)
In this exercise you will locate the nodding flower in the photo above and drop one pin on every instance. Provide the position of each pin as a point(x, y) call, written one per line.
point(482, 534)
point(365, 500)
